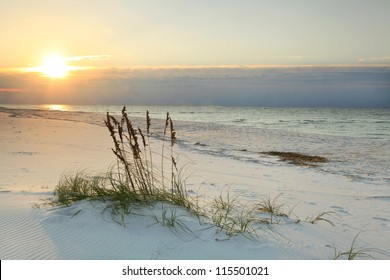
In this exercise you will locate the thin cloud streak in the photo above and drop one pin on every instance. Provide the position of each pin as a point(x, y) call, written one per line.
point(375, 59)
point(89, 57)
point(11, 90)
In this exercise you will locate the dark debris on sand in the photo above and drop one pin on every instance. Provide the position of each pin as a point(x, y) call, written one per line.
point(297, 158)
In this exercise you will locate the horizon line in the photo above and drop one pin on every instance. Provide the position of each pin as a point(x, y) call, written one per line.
point(213, 66)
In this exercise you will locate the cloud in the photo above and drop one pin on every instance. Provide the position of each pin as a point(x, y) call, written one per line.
point(11, 90)
point(293, 57)
point(89, 57)
point(375, 59)
point(231, 86)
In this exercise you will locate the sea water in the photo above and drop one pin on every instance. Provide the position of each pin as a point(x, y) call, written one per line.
point(356, 141)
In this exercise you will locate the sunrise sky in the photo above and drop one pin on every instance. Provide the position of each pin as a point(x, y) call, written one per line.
point(222, 52)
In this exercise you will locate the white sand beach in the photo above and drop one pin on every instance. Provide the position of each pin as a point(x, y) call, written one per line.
point(36, 151)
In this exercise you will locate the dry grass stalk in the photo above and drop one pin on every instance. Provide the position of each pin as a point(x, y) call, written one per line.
point(163, 147)
point(111, 123)
point(135, 161)
point(148, 123)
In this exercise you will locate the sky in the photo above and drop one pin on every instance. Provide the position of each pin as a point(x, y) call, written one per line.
point(203, 52)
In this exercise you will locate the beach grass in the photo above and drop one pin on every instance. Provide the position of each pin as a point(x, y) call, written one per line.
point(75, 187)
point(134, 179)
point(326, 216)
point(357, 252)
point(273, 207)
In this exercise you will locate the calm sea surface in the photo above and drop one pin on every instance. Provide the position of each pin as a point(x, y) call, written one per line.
point(357, 141)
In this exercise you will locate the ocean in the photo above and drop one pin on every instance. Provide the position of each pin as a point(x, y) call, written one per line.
point(356, 141)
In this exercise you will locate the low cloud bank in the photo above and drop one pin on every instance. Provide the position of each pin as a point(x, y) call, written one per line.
point(241, 86)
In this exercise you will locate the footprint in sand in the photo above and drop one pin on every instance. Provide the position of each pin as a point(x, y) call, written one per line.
point(380, 197)
point(381, 219)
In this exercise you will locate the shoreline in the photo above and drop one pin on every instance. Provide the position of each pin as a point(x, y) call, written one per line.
point(37, 151)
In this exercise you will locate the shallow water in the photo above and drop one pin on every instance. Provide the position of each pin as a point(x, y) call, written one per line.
point(368, 123)
point(356, 141)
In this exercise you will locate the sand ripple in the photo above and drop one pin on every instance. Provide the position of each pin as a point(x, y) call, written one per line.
point(21, 237)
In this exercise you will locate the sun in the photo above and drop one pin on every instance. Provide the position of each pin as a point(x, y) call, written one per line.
point(54, 66)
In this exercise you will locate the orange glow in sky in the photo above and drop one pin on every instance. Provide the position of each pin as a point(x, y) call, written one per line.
point(167, 33)
point(54, 66)
point(249, 52)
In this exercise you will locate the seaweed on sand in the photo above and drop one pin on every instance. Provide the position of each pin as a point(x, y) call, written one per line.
point(297, 158)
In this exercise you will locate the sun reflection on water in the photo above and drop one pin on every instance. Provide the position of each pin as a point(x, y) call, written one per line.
point(56, 107)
